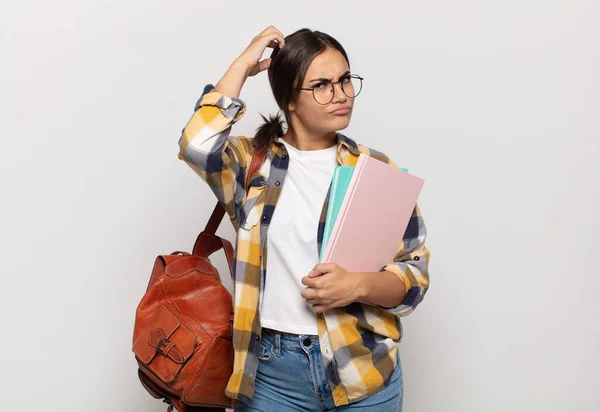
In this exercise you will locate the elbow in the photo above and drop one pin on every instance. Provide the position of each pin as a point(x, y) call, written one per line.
point(415, 275)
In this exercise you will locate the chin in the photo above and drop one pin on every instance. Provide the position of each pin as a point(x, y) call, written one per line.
point(341, 124)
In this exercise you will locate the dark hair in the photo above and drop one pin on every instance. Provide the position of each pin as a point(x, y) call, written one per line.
point(287, 70)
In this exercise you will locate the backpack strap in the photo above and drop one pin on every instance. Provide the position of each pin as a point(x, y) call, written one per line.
point(208, 242)
point(219, 211)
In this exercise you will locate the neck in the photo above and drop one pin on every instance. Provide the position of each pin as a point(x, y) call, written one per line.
point(303, 139)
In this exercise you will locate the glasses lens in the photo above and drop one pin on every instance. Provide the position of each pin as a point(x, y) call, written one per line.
point(323, 92)
point(352, 86)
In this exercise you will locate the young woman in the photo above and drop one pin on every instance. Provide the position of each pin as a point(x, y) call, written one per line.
point(288, 356)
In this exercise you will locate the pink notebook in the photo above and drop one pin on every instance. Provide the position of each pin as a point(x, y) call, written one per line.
point(373, 217)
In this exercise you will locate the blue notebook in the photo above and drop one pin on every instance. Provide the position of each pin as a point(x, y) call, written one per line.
point(339, 185)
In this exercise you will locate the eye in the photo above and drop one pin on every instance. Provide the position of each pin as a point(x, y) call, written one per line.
point(319, 85)
point(346, 79)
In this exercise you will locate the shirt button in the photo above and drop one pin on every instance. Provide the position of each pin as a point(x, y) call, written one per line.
point(284, 157)
point(277, 183)
point(327, 351)
point(416, 258)
point(264, 217)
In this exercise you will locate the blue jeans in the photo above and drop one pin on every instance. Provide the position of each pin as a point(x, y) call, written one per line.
point(291, 377)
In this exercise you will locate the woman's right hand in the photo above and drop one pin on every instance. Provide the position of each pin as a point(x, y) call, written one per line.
point(249, 63)
point(271, 37)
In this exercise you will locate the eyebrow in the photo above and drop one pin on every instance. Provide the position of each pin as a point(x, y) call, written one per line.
point(322, 78)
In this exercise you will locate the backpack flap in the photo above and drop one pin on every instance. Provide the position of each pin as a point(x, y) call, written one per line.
point(165, 348)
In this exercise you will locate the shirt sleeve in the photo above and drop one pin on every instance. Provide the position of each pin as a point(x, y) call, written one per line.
point(207, 147)
point(411, 264)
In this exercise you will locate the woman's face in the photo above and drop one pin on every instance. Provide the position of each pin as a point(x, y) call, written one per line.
point(323, 118)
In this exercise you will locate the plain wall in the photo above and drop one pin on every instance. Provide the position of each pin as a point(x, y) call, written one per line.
point(493, 103)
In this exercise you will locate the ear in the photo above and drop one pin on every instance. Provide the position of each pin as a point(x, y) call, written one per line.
point(291, 107)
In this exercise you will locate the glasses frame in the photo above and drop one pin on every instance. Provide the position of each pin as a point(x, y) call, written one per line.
point(349, 76)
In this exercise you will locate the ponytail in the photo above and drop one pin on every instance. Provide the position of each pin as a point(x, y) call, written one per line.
point(266, 133)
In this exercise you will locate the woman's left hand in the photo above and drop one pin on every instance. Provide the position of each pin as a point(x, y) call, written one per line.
point(330, 286)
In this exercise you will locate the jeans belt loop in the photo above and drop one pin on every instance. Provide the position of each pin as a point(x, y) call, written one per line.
point(277, 344)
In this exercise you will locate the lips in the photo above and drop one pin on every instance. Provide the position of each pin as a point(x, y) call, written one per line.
point(342, 111)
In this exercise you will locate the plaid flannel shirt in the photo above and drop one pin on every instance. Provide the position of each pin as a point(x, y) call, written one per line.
point(358, 342)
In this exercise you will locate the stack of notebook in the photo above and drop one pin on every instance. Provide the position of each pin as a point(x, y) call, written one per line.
point(370, 206)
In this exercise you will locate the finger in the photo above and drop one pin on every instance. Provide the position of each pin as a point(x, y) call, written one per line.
point(274, 40)
point(319, 302)
point(260, 66)
point(315, 294)
point(272, 29)
point(264, 64)
point(269, 29)
point(309, 293)
point(274, 44)
point(282, 41)
point(314, 283)
point(273, 33)
point(309, 281)
point(321, 269)
point(320, 308)
point(314, 274)
point(265, 31)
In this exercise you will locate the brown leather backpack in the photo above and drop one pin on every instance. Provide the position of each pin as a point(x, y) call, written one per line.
point(182, 336)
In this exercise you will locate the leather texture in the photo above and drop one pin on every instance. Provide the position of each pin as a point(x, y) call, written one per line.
point(182, 337)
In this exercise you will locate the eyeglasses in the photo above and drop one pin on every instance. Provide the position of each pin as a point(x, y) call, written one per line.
point(324, 91)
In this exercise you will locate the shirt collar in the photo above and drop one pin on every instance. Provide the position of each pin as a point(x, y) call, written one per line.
point(342, 142)
point(349, 143)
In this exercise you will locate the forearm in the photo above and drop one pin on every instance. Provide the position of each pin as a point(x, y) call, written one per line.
point(383, 288)
point(232, 81)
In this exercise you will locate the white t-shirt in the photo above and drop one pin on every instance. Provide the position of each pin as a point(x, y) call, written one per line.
point(292, 240)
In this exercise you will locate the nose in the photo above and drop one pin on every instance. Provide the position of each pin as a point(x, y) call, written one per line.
point(338, 93)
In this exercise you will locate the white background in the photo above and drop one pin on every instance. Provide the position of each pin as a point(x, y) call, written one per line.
point(493, 103)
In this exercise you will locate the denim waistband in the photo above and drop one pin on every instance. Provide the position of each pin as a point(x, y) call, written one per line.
point(289, 338)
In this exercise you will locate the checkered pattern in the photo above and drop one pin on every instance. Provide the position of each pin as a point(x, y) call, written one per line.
point(358, 342)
